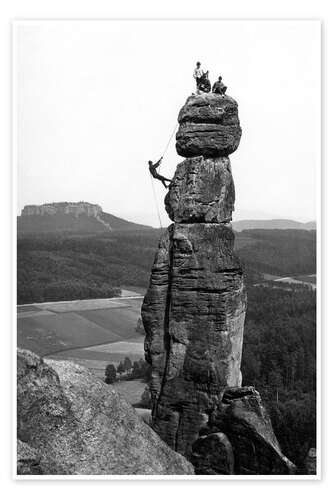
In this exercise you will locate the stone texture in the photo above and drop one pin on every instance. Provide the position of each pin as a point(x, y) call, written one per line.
point(28, 459)
point(243, 418)
point(70, 422)
point(202, 190)
point(311, 462)
point(209, 108)
point(213, 454)
point(208, 126)
point(193, 314)
point(155, 313)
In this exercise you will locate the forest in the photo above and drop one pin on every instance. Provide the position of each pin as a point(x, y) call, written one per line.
point(60, 266)
point(279, 359)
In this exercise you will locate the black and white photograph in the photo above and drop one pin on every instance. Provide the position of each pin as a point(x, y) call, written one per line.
point(168, 224)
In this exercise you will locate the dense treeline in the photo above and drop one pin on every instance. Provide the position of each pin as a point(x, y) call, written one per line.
point(58, 267)
point(279, 251)
point(62, 267)
point(279, 359)
point(126, 370)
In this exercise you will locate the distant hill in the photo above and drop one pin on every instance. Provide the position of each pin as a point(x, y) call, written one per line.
point(272, 224)
point(80, 217)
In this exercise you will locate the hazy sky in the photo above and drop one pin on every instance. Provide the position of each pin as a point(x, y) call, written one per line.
point(97, 100)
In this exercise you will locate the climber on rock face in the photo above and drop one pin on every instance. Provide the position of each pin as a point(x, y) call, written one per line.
point(219, 87)
point(153, 170)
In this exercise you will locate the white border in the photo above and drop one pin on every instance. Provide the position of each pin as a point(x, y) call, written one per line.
point(319, 180)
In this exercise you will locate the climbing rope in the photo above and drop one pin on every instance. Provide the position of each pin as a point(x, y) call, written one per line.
point(158, 170)
point(151, 178)
point(168, 143)
point(156, 202)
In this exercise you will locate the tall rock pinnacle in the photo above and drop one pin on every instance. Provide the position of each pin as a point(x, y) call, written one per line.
point(194, 309)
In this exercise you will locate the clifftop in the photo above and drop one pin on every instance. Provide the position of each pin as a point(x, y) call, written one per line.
point(71, 217)
point(76, 208)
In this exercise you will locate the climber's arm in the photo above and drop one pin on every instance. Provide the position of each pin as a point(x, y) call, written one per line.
point(157, 164)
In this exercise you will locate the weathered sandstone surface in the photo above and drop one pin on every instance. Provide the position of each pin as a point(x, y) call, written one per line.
point(209, 126)
point(69, 422)
point(213, 454)
point(202, 190)
point(194, 309)
point(193, 314)
point(242, 417)
point(311, 462)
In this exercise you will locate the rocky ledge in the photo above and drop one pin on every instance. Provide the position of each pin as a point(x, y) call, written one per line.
point(69, 422)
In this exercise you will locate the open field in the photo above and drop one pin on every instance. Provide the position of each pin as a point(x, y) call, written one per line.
point(91, 333)
point(310, 278)
point(97, 357)
point(131, 390)
point(306, 280)
point(51, 328)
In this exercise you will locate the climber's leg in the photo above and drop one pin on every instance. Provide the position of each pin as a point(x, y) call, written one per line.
point(161, 177)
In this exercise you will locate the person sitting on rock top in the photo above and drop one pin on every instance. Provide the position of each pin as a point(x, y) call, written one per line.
point(219, 87)
point(198, 73)
point(204, 85)
point(153, 170)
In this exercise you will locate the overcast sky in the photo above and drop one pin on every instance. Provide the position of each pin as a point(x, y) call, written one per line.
point(97, 100)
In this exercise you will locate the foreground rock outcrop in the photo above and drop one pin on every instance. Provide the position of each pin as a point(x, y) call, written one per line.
point(242, 417)
point(194, 309)
point(213, 454)
point(69, 422)
point(311, 462)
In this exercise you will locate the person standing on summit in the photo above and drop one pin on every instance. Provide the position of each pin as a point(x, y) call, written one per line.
point(198, 73)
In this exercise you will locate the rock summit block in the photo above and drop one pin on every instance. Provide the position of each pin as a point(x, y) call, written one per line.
point(208, 126)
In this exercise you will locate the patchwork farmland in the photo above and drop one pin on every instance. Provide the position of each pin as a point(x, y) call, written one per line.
point(92, 333)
